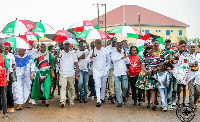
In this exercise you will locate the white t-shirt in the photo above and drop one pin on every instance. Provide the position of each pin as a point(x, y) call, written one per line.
point(66, 61)
point(11, 60)
point(82, 62)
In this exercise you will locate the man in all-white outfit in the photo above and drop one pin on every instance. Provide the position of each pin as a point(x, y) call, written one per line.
point(101, 64)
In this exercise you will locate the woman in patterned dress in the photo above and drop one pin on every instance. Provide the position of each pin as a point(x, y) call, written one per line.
point(149, 63)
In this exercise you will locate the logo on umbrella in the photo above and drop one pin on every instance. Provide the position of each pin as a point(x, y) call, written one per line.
point(116, 30)
point(62, 34)
point(9, 30)
point(82, 35)
point(103, 35)
point(38, 29)
point(88, 24)
point(29, 26)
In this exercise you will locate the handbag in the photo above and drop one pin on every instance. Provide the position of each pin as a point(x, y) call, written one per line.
point(52, 73)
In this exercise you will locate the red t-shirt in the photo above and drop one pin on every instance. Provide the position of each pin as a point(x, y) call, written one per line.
point(134, 66)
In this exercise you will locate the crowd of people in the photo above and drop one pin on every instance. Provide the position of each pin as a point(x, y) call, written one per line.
point(34, 74)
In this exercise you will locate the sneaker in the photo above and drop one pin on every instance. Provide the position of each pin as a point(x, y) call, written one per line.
point(109, 98)
point(92, 97)
point(85, 100)
point(71, 103)
point(174, 104)
point(139, 104)
point(154, 108)
point(30, 101)
point(62, 104)
point(103, 101)
point(112, 100)
point(119, 105)
point(81, 99)
point(11, 110)
point(165, 109)
point(161, 106)
point(98, 104)
point(170, 107)
point(33, 102)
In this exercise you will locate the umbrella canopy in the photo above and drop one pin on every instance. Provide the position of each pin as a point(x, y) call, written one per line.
point(18, 27)
point(125, 31)
point(42, 29)
point(61, 36)
point(93, 34)
point(17, 42)
point(83, 25)
point(30, 36)
point(149, 38)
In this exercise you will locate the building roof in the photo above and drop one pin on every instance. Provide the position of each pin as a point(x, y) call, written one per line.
point(128, 15)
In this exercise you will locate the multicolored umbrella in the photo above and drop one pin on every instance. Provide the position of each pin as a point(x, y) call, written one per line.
point(17, 42)
point(93, 34)
point(149, 38)
point(18, 27)
point(42, 29)
point(30, 36)
point(125, 31)
point(61, 36)
point(83, 25)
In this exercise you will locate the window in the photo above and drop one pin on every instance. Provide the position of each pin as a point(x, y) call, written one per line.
point(156, 30)
point(172, 31)
point(168, 32)
point(142, 30)
point(180, 32)
point(159, 31)
point(146, 31)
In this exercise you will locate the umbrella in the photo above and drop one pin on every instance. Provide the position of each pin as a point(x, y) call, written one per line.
point(17, 42)
point(30, 36)
point(149, 38)
point(125, 31)
point(61, 36)
point(83, 25)
point(42, 29)
point(93, 34)
point(17, 27)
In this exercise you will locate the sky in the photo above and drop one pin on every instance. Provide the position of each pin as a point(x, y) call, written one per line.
point(63, 13)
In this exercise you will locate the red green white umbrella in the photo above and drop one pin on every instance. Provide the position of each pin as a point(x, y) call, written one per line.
point(30, 36)
point(83, 25)
point(93, 34)
point(17, 27)
point(17, 42)
point(125, 31)
point(42, 29)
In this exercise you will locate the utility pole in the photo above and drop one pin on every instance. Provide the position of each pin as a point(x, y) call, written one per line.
point(139, 21)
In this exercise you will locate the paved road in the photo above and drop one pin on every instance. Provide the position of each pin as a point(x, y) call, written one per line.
point(88, 112)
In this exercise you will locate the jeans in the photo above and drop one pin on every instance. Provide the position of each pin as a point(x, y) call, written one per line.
point(172, 89)
point(124, 83)
point(10, 101)
point(163, 95)
point(3, 99)
point(83, 83)
point(92, 86)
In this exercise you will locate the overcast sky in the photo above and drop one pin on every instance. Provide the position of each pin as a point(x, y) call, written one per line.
point(62, 13)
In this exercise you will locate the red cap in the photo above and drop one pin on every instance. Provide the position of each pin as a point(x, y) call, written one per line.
point(30, 41)
point(7, 44)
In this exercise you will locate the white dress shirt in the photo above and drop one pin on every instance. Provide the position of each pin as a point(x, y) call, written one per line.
point(110, 50)
point(82, 62)
point(119, 64)
point(101, 63)
point(11, 60)
point(66, 61)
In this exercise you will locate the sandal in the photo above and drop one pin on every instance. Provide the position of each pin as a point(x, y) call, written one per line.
point(19, 108)
point(28, 106)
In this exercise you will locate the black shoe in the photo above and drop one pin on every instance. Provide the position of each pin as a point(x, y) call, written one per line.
point(85, 100)
point(103, 101)
point(148, 106)
point(154, 108)
point(124, 99)
point(135, 103)
point(112, 100)
point(81, 99)
point(119, 105)
point(140, 104)
point(109, 98)
point(98, 104)
point(156, 103)
point(58, 93)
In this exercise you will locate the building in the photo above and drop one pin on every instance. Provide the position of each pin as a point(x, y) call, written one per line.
point(150, 22)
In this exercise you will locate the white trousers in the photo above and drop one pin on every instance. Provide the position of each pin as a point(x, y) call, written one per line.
point(100, 83)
